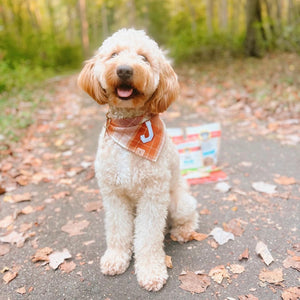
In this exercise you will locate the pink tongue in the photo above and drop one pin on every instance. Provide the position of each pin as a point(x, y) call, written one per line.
point(123, 93)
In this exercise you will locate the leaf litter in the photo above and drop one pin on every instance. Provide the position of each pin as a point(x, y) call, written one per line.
point(194, 283)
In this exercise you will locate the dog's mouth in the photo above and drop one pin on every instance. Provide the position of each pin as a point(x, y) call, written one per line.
point(126, 92)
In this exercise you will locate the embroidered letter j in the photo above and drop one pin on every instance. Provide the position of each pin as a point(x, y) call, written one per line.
point(151, 135)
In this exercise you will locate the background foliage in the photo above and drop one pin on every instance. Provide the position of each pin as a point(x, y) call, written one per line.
point(40, 37)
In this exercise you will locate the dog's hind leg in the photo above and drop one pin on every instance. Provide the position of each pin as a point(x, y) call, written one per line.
point(119, 234)
point(183, 216)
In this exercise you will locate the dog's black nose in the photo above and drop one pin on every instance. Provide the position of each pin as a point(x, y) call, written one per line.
point(124, 72)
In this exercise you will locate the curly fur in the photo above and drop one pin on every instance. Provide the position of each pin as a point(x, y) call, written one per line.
point(140, 196)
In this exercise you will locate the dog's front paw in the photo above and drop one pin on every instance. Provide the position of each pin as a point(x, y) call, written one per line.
point(152, 277)
point(114, 262)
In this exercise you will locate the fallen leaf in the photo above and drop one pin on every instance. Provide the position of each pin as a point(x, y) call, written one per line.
point(27, 210)
point(75, 228)
point(13, 238)
point(56, 258)
point(283, 180)
point(21, 290)
point(93, 206)
point(213, 243)
point(42, 254)
point(4, 249)
point(234, 226)
point(221, 236)
point(292, 293)
point(8, 220)
point(222, 187)
point(264, 187)
point(237, 269)
point(205, 211)
point(67, 267)
point(9, 276)
point(19, 198)
point(275, 276)
point(2, 190)
point(218, 273)
point(292, 262)
point(248, 297)
point(198, 236)
point(262, 250)
point(25, 226)
point(168, 261)
point(244, 255)
point(61, 195)
point(194, 283)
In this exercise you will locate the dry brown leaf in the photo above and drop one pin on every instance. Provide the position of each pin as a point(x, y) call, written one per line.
point(8, 220)
point(292, 293)
point(21, 197)
point(194, 283)
point(198, 236)
point(22, 180)
point(9, 276)
point(284, 180)
point(27, 210)
point(21, 290)
point(237, 269)
point(42, 254)
point(67, 267)
point(234, 226)
point(244, 255)
point(75, 228)
point(213, 244)
point(4, 249)
point(218, 273)
point(2, 190)
point(168, 261)
point(61, 195)
point(275, 276)
point(93, 206)
point(205, 211)
point(292, 262)
point(248, 297)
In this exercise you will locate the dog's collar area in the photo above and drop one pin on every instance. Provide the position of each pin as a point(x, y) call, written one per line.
point(128, 122)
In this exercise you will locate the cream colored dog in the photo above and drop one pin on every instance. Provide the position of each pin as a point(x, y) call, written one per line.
point(142, 191)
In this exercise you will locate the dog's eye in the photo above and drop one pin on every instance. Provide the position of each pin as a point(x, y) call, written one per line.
point(144, 58)
point(115, 54)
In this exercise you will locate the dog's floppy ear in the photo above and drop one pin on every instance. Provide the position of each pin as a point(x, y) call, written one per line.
point(167, 90)
point(90, 84)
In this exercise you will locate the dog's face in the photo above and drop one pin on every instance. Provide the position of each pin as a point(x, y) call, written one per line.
point(130, 71)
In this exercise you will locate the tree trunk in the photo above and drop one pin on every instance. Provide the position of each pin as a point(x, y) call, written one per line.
point(253, 31)
point(84, 28)
point(223, 15)
point(104, 21)
point(209, 15)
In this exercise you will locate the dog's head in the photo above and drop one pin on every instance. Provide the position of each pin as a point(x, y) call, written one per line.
point(130, 71)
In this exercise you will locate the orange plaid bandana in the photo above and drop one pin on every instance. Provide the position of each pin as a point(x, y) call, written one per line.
point(142, 136)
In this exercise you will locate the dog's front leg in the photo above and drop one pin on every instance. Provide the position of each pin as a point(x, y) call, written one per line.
point(119, 234)
point(150, 223)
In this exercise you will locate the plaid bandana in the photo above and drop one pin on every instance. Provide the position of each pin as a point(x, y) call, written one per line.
point(142, 136)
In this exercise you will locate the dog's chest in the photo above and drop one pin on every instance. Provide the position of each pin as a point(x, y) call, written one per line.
point(118, 167)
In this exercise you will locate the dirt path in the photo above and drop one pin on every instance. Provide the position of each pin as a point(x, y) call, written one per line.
point(52, 200)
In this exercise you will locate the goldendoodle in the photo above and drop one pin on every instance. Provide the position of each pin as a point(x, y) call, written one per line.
point(137, 165)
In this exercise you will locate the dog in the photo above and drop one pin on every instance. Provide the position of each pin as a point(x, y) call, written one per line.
point(137, 165)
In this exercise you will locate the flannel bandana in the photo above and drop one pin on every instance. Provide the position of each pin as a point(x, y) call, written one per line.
point(142, 136)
